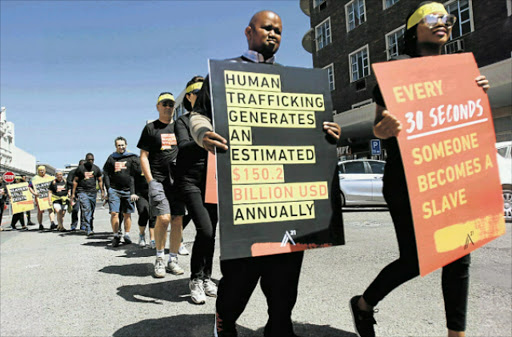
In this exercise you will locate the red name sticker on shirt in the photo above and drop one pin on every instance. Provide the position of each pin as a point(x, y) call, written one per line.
point(120, 165)
point(88, 175)
point(168, 140)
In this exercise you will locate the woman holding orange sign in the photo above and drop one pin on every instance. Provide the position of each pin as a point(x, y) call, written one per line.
point(428, 28)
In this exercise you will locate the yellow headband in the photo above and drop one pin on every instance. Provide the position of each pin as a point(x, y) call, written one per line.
point(195, 86)
point(165, 96)
point(41, 168)
point(423, 11)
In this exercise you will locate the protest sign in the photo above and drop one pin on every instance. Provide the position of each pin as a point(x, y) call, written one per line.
point(210, 195)
point(278, 188)
point(41, 186)
point(21, 198)
point(448, 149)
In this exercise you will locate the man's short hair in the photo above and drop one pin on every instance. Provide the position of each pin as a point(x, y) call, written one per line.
point(89, 154)
point(120, 138)
point(81, 161)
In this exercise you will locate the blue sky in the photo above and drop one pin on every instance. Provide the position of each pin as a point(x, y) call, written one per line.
point(76, 74)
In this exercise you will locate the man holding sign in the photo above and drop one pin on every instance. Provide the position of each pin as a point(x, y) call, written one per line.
point(430, 232)
point(278, 274)
point(39, 188)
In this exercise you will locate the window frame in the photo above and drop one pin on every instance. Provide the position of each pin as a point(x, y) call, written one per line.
point(384, 4)
point(366, 46)
point(387, 41)
point(318, 4)
point(333, 76)
point(347, 14)
point(459, 21)
point(330, 34)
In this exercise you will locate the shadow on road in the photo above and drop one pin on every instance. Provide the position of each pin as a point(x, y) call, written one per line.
point(201, 325)
point(136, 269)
point(171, 291)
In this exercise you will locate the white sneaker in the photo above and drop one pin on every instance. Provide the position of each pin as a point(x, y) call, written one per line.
point(142, 241)
point(152, 244)
point(127, 239)
point(183, 250)
point(210, 288)
point(197, 291)
point(159, 267)
point(173, 267)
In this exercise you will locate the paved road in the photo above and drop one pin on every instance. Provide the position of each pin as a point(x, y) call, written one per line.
point(65, 284)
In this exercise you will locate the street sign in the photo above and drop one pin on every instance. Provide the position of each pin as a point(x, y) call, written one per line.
point(8, 177)
point(375, 146)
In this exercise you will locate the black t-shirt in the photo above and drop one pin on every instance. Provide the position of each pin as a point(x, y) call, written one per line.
point(119, 169)
point(190, 165)
point(141, 185)
point(87, 178)
point(69, 179)
point(59, 188)
point(159, 140)
point(3, 188)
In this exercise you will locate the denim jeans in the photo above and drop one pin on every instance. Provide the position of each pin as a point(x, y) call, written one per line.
point(87, 207)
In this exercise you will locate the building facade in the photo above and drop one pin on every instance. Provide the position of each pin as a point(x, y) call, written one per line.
point(347, 36)
point(12, 158)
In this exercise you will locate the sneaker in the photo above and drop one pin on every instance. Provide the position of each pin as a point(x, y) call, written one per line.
point(73, 229)
point(363, 320)
point(152, 244)
point(90, 233)
point(127, 239)
point(53, 226)
point(159, 267)
point(197, 291)
point(41, 227)
point(142, 241)
point(30, 223)
point(210, 288)
point(183, 250)
point(116, 241)
point(173, 267)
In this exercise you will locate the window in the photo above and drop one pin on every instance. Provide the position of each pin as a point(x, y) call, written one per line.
point(355, 12)
point(377, 167)
point(330, 75)
point(462, 9)
point(392, 41)
point(362, 103)
point(359, 64)
point(354, 167)
point(323, 34)
point(389, 3)
point(317, 3)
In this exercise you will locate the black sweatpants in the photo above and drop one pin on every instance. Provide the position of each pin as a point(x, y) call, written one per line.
point(279, 280)
point(18, 217)
point(205, 219)
point(142, 205)
point(455, 277)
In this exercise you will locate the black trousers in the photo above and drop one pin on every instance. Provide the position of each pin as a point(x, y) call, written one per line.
point(18, 217)
point(2, 203)
point(205, 219)
point(279, 280)
point(74, 214)
point(142, 205)
point(455, 276)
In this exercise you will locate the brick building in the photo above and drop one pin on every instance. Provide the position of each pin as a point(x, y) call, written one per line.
point(347, 36)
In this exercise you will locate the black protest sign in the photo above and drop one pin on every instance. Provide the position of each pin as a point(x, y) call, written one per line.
point(278, 186)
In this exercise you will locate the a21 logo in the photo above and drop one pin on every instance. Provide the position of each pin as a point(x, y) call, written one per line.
point(288, 238)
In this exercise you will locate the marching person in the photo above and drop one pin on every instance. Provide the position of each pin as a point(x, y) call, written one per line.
point(18, 216)
point(3, 198)
point(280, 273)
point(428, 28)
point(29, 222)
point(75, 203)
point(158, 152)
point(84, 183)
point(59, 195)
point(41, 176)
point(142, 204)
point(191, 180)
point(119, 183)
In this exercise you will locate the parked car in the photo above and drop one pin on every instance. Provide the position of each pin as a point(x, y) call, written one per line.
point(505, 168)
point(361, 182)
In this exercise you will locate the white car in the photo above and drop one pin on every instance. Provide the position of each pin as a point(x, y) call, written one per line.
point(505, 168)
point(361, 182)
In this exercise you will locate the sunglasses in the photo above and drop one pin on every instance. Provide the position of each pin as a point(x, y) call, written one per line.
point(431, 20)
point(170, 104)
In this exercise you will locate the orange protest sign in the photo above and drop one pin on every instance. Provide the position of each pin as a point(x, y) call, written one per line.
point(448, 150)
point(211, 180)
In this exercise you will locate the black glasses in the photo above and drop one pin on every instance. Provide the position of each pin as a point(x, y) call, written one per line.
point(431, 20)
point(170, 104)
